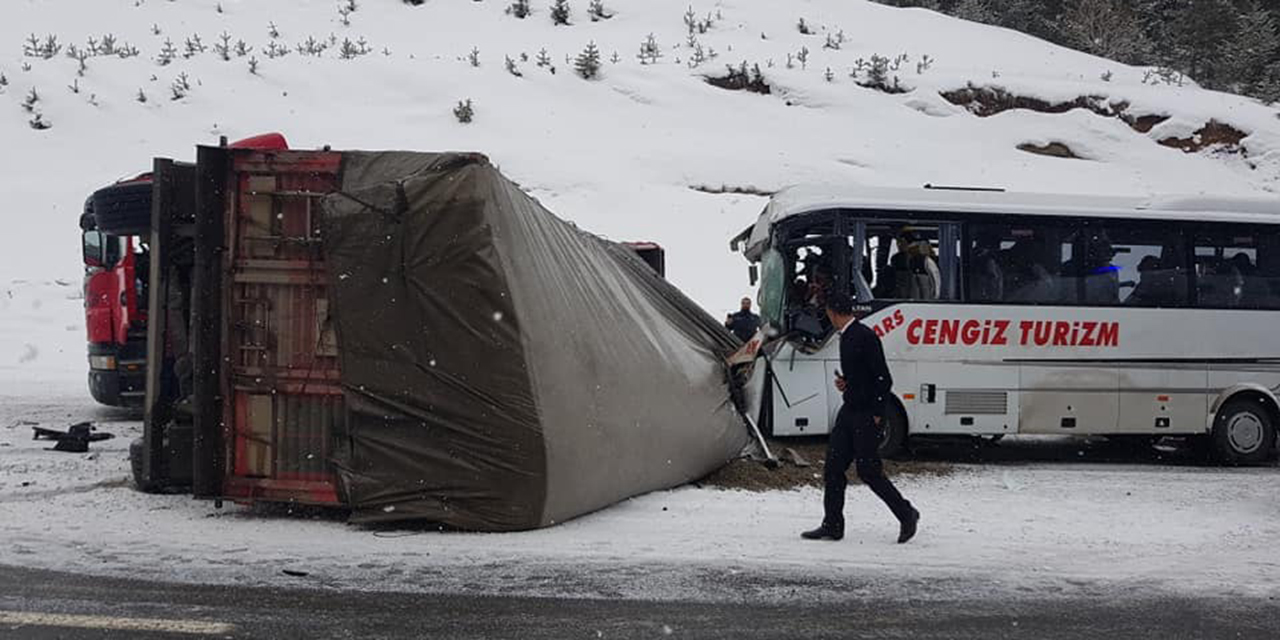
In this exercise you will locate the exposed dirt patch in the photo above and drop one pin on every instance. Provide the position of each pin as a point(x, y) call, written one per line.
point(752, 475)
point(1053, 150)
point(1216, 134)
point(989, 101)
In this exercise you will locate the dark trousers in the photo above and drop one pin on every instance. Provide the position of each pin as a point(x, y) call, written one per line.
point(856, 439)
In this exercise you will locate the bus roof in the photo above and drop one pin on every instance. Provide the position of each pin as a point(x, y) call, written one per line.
point(802, 199)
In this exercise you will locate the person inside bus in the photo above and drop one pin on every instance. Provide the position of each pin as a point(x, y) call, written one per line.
point(1026, 279)
point(913, 272)
point(986, 278)
point(1155, 286)
point(1101, 277)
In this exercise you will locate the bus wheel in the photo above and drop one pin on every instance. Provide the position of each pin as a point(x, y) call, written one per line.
point(893, 432)
point(1243, 432)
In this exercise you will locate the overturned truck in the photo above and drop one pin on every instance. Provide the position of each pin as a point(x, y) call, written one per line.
point(412, 337)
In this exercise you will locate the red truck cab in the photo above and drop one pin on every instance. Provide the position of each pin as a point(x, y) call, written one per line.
point(115, 239)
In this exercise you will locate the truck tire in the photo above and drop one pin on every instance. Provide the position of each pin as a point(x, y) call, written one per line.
point(1243, 433)
point(123, 209)
point(893, 434)
point(136, 451)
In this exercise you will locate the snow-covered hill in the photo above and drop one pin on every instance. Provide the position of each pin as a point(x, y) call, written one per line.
point(621, 154)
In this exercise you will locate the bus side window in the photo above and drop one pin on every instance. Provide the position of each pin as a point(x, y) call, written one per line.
point(1017, 263)
point(907, 261)
point(1147, 262)
point(1237, 269)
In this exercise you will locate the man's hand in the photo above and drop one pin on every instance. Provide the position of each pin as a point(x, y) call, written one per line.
point(840, 383)
point(876, 419)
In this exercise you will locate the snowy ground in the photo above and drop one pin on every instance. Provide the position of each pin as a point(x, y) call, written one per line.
point(1002, 531)
point(618, 155)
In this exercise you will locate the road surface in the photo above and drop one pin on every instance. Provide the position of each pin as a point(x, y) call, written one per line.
point(45, 605)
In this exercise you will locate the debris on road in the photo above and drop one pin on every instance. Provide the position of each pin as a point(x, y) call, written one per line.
point(75, 439)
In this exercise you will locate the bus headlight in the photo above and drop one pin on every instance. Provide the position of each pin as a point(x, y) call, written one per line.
point(102, 362)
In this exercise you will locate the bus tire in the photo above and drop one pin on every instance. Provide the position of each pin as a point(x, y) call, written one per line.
point(123, 209)
point(893, 432)
point(1243, 432)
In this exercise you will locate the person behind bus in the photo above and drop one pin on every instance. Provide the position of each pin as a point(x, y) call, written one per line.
point(744, 323)
point(865, 387)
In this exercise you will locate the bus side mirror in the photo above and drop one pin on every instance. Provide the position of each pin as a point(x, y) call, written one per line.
point(754, 273)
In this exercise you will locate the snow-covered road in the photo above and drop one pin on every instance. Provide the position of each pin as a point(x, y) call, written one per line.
point(1007, 530)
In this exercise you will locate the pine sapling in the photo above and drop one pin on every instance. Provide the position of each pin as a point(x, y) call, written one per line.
point(597, 11)
point(560, 13)
point(829, 75)
point(141, 97)
point(194, 46)
point(615, 58)
point(803, 57)
point(511, 68)
point(38, 122)
point(464, 112)
point(155, 29)
point(29, 103)
point(223, 49)
point(804, 28)
point(242, 49)
point(474, 57)
point(650, 52)
point(253, 66)
point(519, 9)
point(273, 31)
point(587, 64)
point(75, 85)
point(544, 59)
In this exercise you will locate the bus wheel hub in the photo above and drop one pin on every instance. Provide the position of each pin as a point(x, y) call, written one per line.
point(1245, 432)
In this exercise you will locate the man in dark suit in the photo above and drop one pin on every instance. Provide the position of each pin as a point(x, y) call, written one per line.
point(866, 385)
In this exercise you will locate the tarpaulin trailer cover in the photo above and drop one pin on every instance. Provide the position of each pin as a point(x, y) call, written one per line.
point(503, 369)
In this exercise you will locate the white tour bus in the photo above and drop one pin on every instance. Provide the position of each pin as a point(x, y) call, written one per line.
point(1006, 313)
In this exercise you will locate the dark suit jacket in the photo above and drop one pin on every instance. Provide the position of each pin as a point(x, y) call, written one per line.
point(866, 374)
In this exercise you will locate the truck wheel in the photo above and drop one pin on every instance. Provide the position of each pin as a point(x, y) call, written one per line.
point(893, 432)
point(123, 209)
point(1243, 433)
point(136, 451)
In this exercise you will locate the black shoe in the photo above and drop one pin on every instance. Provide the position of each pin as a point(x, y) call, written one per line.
point(824, 532)
point(907, 530)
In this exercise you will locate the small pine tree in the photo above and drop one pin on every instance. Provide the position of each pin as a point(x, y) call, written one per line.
point(803, 27)
point(829, 75)
point(38, 122)
point(474, 57)
point(560, 12)
point(650, 52)
point(464, 112)
point(520, 9)
point(142, 96)
point(544, 58)
point(597, 11)
point(511, 68)
point(587, 64)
